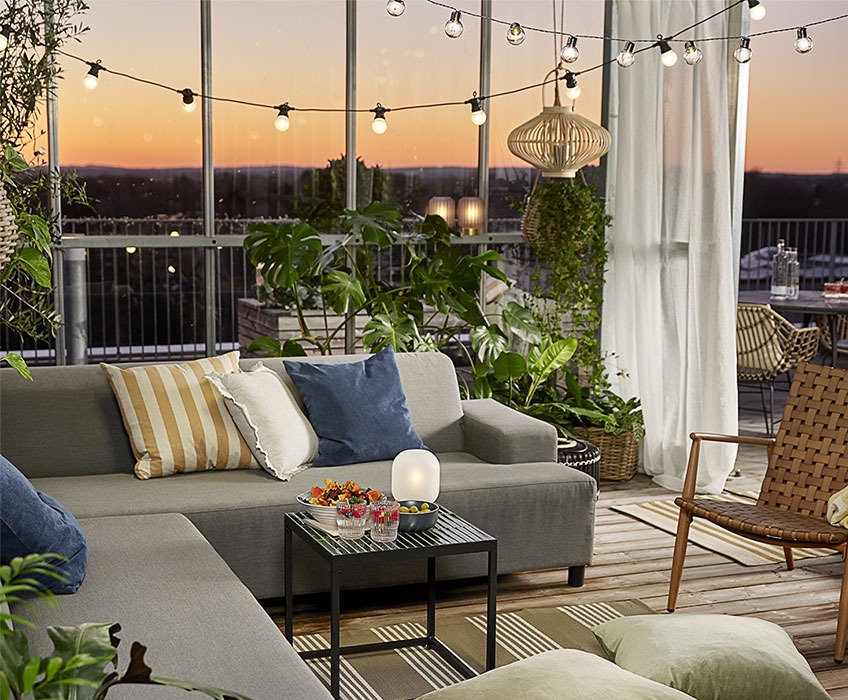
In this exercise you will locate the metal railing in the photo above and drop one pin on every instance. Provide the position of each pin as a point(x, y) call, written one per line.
point(144, 295)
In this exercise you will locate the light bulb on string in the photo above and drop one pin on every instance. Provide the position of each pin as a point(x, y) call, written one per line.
point(572, 89)
point(478, 116)
point(570, 53)
point(515, 35)
point(692, 54)
point(189, 105)
point(453, 27)
point(90, 79)
point(667, 54)
point(625, 57)
point(803, 43)
point(379, 125)
point(756, 9)
point(282, 122)
point(395, 7)
point(743, 54)
point(5, 33)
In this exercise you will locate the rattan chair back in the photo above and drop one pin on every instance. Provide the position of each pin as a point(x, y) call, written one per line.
point(841, 333)
point(809, 459)
point(767, 345)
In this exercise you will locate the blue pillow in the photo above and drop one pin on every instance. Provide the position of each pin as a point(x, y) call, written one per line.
point(32, 522)
point(358, 409)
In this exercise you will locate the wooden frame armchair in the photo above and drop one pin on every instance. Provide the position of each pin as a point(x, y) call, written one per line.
point(767, 345)
point(807, 463)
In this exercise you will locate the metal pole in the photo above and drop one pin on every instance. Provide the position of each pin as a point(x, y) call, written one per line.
point(606, 77)
point(483, 136)
point(738, 131)
point(350, 140)
point(210, 254)
point(55, 192)
point(76, 304)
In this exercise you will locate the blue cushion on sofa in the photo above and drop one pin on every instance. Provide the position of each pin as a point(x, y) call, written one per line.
point(32, 522)
point(358, 409)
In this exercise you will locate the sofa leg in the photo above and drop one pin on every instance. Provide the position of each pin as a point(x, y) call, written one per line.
point(576, 574)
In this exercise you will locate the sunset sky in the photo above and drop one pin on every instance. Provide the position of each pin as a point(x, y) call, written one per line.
point(271, 51)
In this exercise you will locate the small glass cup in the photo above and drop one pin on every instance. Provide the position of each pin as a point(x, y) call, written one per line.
point(385, 518)
point(351, 519)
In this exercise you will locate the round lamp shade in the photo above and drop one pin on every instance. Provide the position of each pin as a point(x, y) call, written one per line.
point(559, 141)
point(444, 207)
point(416, 476)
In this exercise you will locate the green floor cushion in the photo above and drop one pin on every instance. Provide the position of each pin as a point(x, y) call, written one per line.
point(555, 675)
point(712, 657)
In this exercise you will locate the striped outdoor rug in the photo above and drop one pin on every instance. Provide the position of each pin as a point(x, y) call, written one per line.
point(408, 673)
point(663, 515)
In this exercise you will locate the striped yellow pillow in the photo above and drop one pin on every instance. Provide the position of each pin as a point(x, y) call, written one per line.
point(175, 419)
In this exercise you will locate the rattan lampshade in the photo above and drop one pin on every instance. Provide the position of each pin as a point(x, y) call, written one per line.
point(559, 141)
point(8, 229)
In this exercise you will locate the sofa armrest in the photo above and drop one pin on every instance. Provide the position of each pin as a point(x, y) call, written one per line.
point(499, 434)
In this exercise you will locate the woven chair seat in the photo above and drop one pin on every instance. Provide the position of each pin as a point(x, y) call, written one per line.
point(765, 521)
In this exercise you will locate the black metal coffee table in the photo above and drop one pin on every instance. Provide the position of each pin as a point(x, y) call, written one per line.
point(450, 535)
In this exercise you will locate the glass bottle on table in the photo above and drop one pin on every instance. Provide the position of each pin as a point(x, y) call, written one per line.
point(792, 274)
point(780, 272)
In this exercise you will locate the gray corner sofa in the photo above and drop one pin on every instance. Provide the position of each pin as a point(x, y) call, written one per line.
point(180, 561)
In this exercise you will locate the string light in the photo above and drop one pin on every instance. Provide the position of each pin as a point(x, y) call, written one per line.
point(188, 99)
point(572, 89)
point(692, 54)
point(90, 79)
point(515, 35)
point(395, 7)
point(379, 125)
point(282, 122)
point(625, 57)
point(756, 9)
point(743, 54)
point(570, 53)
point(667, 54)
point(5, 33)
point(453, 27)
point(803, 43)
point(478, 116)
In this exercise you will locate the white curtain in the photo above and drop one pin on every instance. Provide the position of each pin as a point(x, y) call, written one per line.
point(669, 301)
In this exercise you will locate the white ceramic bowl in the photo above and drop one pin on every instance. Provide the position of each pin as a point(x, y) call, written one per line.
point(323, 514)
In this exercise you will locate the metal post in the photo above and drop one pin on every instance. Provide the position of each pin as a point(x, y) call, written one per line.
point(483, 135)
point(55, 191)
point(209, 254)
point(76, 306)
point(738, 134)
point(350, 140)
point(606, 77)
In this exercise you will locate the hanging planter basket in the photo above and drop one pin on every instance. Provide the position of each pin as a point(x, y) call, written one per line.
point(8, 230)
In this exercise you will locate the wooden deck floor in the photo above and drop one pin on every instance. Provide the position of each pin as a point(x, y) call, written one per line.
point(633, 560)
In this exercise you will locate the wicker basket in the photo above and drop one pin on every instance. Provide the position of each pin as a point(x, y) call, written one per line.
point(619, 453)
point(8, 230)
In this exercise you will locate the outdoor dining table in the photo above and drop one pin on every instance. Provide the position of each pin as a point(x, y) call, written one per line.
point(808, 303)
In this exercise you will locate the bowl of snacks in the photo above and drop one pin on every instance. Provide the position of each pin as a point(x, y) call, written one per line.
point(321, 501)
point(417, 515)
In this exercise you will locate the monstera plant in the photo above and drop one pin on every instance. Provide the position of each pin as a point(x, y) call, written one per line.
point(434, 298)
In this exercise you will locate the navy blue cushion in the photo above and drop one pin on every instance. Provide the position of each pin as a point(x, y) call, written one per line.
point(358, 409)
point(32, 522)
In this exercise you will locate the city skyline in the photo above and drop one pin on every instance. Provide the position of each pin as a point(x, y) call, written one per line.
point(262, 54)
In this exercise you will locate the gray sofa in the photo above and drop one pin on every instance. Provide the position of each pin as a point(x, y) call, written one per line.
point(64, 432)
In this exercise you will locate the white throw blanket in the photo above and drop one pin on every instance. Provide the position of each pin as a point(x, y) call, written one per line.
point(837, 508)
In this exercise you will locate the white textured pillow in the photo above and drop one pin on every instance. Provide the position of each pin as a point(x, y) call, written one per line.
point(269, 419)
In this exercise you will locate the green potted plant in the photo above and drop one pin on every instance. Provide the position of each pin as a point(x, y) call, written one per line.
point(434, 300)
point(83, 663)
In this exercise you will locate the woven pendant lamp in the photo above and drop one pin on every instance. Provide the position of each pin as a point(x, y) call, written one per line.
point(559, 141)
point(8, 230)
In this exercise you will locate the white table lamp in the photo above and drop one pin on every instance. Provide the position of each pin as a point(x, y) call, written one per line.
point(416, 476)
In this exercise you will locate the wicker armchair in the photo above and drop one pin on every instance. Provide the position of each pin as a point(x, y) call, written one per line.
point(767, 346)
point(808, 462)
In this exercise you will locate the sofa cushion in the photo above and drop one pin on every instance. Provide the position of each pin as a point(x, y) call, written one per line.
point(712, 657)
point(556, 675)
point(358, 409)
point(171, 591)
point(32, 522)
point(175, 419)
point(269, 419)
